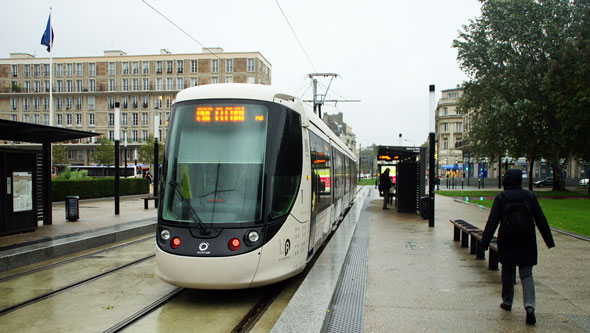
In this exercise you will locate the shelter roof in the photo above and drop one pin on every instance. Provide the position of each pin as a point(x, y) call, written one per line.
point(25, 132)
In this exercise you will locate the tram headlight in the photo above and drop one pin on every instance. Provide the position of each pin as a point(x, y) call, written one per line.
point(165, 234)
point(253, 236)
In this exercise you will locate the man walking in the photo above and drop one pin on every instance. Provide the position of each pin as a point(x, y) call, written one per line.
point(517, 211)
point(384, 186)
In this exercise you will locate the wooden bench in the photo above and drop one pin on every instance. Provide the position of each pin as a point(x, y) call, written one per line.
point(464, 230)
point(147, 199)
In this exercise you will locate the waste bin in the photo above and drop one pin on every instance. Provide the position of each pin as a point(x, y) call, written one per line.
point(424, 207)
point(72, 208)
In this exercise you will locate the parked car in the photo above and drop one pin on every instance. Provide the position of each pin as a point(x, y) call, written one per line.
point(544, 182)
point(583, 182)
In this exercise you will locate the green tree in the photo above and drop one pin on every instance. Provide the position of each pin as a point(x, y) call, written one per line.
point(146, 151)
point(60, 154)
point(508, 53)
point(104, 153)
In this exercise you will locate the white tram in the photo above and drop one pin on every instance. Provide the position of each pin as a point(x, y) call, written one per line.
point(253, 183)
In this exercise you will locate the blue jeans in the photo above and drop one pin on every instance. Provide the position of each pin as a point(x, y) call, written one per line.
point(528, 285)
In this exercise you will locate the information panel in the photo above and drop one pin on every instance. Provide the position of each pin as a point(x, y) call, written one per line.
point(22, 184)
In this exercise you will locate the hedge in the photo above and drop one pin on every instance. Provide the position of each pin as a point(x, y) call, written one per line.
point(97, 187)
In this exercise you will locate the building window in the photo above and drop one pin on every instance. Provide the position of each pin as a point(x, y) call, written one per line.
point(134, 136)
point(125, 68)
point(91, 119)
point(92, 69)
point(27, 70)
point(69, 69)
point(45, 103)
point(194, 66)
point(26, 104)
point(144, 119)
point(111, 135)
point(193, 81)
point(111, 102)
point(179, 66)
point(59, 120)
point(58, 102)
point(68, 103)
point(214, 65)
point(69, 86)
point(135, 84)
point(46, 119)
point(215, 79)
point(13, 117)
point(60, 69)
point(229, 79)
point(112, 68)
point(92, 85)
point(144, 135)
point(169, 64)
point(91, 102)
point(459, 127)
point(159, 67)
point(229, 65)
point(159, 84)
point(135, 68)
point(146, 84)
point(78, 103)
point(111, 119)
point(78, 119)
point(125, 84)
point(79, 71)
point(168, 101)
point(250, 67)
point(124, 102)
point(179, 83)
point(145, 66)
point(134, 119)
point(37, 86)
point(27, 86)
point(36, 119)
point(14, 70)
point(169, 81)
point(144, 102)
point(124, 119)
point(134, 102)
point(36, 104)
point(46, 69)
point(37, 69)
point(112, 85)
point(13, 103)
point(27, 118)
point(68, 119)
point(78, 85)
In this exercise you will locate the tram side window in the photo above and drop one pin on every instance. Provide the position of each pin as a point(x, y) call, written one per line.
point(320, 167)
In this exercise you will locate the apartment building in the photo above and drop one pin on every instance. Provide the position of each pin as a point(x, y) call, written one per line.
point(449, 132)
point(85, 90)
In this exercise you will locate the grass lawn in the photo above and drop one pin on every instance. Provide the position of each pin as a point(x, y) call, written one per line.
point(492, 193)
point(366, 182)
point(567, 214)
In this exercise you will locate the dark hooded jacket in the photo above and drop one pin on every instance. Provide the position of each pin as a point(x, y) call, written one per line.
point(511, 252)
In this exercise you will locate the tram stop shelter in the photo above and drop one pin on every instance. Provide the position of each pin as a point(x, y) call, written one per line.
point(25, 185)
point(409, 164)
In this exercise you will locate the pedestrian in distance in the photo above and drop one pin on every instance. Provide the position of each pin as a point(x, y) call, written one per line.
point(149, 177)
point(384, 186)
point(517, 212)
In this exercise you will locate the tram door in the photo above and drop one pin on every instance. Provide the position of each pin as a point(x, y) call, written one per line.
point(320, 189)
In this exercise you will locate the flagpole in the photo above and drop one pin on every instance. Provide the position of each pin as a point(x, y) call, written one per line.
point(50, 71)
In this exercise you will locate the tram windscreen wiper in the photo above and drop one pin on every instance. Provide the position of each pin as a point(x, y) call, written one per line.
point(215, 192)
point(189, 208)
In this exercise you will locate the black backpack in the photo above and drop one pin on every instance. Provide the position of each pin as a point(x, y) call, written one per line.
point(517, 218)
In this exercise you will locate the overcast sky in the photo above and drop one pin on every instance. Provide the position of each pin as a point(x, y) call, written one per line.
point(386, 52)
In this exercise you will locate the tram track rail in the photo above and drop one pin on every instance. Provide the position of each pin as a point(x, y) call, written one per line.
point(36, 299)
point(67, 261)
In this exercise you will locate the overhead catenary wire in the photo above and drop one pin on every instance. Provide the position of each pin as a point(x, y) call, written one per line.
point(294, 34)
point(179, 28)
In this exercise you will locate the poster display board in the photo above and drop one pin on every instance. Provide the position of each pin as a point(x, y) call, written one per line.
point(22, 185)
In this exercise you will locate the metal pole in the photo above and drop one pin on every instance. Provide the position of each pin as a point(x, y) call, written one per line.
point(117, 137)
point(431, 159)
point(156, 154)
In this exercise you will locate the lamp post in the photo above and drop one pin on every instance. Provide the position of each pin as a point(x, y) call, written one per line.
point(156, 151)
point(431, 158)
point(117, 137)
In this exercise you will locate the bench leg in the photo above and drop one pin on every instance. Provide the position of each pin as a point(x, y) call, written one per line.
point(145, 204)
point(473, 248)
point(464, 239)
point(457, 234)
point(480, 253)
point(493, 264)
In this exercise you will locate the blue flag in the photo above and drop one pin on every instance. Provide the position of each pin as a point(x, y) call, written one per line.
point(45, 39)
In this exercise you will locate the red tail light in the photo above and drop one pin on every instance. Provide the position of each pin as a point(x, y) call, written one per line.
point(234, 244)
point(175, 242)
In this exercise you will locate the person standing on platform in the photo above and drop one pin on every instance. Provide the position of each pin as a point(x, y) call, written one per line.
point(517, 211)
point(385, 186)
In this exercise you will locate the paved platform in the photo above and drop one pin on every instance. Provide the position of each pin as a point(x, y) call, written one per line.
point(97, 225)
point(418, 279)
